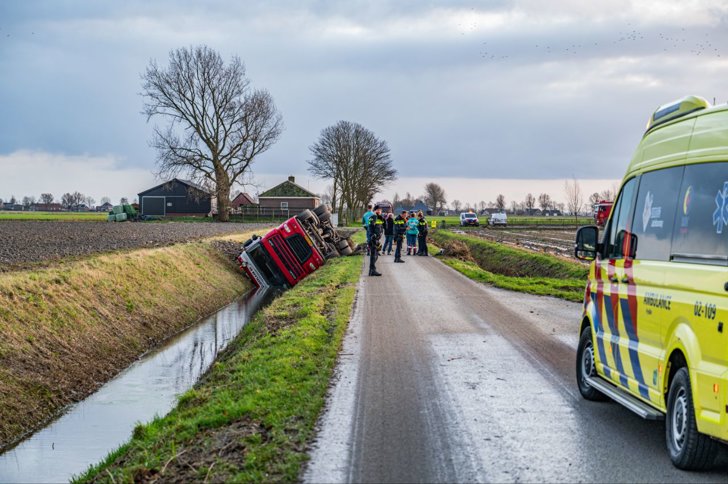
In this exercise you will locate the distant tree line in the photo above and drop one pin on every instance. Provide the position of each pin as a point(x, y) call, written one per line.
point(68, 201)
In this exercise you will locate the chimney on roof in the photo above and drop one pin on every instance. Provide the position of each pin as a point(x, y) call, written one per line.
point(292, 179)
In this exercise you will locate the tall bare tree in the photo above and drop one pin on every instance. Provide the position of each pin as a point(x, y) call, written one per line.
point(46, 198)
point(529, 203)
point(217, 124)
point(594, 198)
point(574, 196)
point(435, 197)
point(355, 160)
point(544, 201)
point(500, 202)
point(456, 204)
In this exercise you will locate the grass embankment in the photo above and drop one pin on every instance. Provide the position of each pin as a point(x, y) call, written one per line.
point(67, 329)
point(512, 268)
point(55, 216)
point(566, 221)
point(251, 417)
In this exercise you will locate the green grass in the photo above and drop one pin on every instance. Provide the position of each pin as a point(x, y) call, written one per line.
point(252, 415)
point(55, 216)
point(512, 268)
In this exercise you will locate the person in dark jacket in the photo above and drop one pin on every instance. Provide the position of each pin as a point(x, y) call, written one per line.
point(422, 235)
point(376, 228)
point(400, 229)
point(388, 233)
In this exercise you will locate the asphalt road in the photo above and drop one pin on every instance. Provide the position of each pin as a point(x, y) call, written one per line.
point(445, 380)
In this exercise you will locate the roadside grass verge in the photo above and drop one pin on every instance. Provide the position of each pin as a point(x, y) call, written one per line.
point(512, 268)
point(67, 329)
point(251, 416)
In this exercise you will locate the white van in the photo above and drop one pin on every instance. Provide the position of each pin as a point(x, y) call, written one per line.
point(498, 219)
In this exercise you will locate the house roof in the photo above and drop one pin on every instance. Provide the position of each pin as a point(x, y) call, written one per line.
point(242, 199)
point(183, 182)
point(287, 189)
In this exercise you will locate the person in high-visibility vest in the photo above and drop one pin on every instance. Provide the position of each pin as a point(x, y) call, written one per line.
point(422, 235)
point(376, 227)
point(400, 228)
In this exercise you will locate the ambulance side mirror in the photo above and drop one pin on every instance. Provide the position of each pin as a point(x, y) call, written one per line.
point(587, 242)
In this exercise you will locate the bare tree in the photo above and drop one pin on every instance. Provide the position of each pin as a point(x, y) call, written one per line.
point(500, 202)
point(123, 200)
point(594, 198)
point(46, 198)
point(67, 201)
point(529, 203)
point(105, 200)
point(482, 205)
point(435, 197)
point(90, 201)
point(544, 201)
point(28, 201)
point(608, 194)
point(355, 160)
point(396, 201)
point(574, 196)
point(456, 204)
point(217, 125)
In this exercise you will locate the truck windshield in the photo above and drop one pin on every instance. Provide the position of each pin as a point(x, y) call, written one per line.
point(265, 264)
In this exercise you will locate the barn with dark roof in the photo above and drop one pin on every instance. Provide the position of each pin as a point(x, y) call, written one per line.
point(176, 198)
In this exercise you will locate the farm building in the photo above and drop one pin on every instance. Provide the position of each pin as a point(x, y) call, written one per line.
point(176, 198)
point(288, 196)
point(241, 201)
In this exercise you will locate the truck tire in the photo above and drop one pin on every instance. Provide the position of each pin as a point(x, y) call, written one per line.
point(689, 449)
point(344, 248)
point(585, 367)
point(324, 217)
point(332, 252)
point(307, 216)
point(321, 209)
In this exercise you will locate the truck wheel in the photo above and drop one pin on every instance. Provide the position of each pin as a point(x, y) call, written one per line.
point(307, 216)
point(332, 251)
point(344, 248)
point(689, 449)
point(320, 210)
point(324, 217)
point(585, 367)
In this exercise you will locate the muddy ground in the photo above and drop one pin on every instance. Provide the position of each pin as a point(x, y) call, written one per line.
point(551, 241)
point(28, 243)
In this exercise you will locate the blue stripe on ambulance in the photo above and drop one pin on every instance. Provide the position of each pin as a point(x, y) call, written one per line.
point(614, 340)
point(599, 330)
point(633, 343)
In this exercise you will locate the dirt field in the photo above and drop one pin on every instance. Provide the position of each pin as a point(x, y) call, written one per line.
point(28, 243)
point(552, 241)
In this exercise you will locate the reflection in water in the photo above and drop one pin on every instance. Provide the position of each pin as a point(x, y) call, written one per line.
point(149, 387)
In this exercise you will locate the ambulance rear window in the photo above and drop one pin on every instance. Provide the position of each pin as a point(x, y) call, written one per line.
point(701, 221)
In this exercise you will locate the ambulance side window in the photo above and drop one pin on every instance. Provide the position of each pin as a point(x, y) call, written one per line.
point(701, 221)
point(621, 219)
point(655, 213)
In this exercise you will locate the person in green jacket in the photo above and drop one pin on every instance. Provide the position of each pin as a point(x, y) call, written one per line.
point(412, 232)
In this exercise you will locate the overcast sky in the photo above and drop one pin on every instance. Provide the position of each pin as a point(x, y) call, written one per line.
point(531, 92)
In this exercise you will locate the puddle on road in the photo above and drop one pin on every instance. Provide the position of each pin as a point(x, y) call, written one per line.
point(102, 422)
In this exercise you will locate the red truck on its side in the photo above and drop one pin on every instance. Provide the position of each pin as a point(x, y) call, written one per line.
point(293, 250)
point(602, 209)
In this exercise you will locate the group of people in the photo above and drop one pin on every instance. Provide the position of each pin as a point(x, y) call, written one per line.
point(409, 225)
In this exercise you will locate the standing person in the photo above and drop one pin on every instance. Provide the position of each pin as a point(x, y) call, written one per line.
point(422, 235)
point(365, 222)
point(412, 232)
point(376, 227)
point(400, 228)
point(388, 233)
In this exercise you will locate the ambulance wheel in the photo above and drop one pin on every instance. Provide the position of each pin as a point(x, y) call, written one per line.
point(586, 367)
point(320, 210)
point(689, 449)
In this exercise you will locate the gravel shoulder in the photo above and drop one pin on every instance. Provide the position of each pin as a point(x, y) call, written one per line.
point(25, 244)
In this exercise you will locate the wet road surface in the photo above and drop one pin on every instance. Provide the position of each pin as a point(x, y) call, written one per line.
point(445, 380)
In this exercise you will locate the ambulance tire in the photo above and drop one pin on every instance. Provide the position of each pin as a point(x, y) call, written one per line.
point(585, 367)
point(689, 449)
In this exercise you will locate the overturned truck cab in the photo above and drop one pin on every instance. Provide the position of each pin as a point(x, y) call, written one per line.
point(290, 252)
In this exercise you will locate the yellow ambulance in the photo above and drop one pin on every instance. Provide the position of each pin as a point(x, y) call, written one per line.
point(654, 331)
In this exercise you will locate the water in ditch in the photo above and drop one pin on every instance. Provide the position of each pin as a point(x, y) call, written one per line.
point(102, 422)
